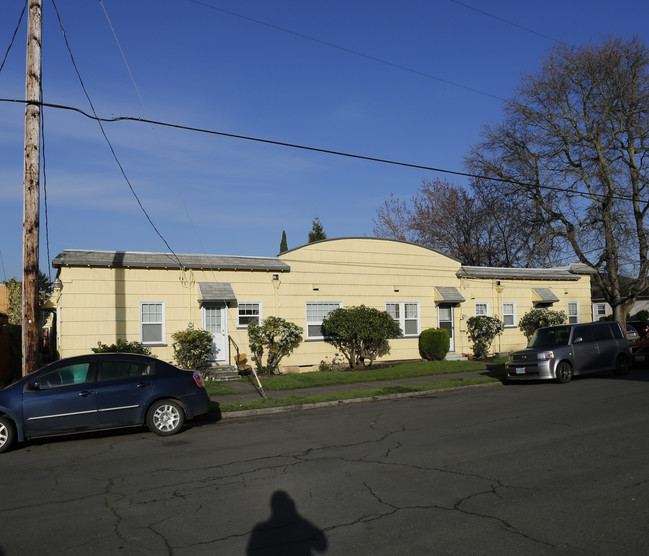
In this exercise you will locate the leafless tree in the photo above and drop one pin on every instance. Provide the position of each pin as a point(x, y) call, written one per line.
point(574, 143)
point(478, 227)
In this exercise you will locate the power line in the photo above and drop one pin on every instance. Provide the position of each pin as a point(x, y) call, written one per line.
point(13, 37)
point(313, 149)
point(345, 49)
point(103, 131)
point(508, 22)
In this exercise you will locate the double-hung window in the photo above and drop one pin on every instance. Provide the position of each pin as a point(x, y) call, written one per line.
point(406, 315)
point(482, 309)
point(600, 310)
point(152, 322)
point(316, 312)
point(573, 312)
point(247, 312)
point(509, 314)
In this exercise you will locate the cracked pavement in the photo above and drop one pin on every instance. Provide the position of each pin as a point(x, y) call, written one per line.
point(529, 469)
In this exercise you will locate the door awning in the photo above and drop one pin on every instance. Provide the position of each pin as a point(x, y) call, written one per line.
point(543, 295)
point(447, 294)
point(215, 291)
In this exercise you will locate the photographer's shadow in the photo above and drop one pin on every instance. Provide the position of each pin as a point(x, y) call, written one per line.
point(286, 533)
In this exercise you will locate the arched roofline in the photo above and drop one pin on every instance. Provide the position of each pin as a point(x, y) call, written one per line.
point(306, 245)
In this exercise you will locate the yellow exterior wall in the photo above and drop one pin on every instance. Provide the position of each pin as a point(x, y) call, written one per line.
point(102, 304)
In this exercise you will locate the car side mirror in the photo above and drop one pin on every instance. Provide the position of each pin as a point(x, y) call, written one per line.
point(578, 340)
point(33, 385)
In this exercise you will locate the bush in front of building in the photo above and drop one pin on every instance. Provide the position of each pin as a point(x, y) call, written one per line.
point(192, 348)
point(275, 338)
point(360, 333)
point(122, 346)
point(482, 330)
point(538, 318)
point(434, 344)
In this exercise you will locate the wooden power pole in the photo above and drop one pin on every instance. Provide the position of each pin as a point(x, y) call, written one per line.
point(31, 185)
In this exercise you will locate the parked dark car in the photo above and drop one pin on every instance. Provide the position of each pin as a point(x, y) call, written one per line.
point(642, 326)
point(560, 352)
point(100, 391)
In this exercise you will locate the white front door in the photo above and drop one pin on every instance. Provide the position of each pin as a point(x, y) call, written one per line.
point(215, 321)
point(445, 321)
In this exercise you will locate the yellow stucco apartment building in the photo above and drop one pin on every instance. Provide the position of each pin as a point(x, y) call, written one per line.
point(102, 296)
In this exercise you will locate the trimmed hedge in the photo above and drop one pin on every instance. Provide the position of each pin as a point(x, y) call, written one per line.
point(434, 344)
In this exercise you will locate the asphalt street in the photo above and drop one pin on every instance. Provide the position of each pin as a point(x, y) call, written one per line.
point(523, 469)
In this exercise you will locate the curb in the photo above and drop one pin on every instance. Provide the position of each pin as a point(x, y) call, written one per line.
point(336, 403)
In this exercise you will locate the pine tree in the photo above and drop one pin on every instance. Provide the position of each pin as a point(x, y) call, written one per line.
point(283, 246)
point(317, 233)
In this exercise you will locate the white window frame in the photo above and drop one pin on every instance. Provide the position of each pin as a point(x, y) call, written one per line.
point(486, 311)
point(401, 317)
point(317, 320)
point(160, 323)
point(511, 314)
point(600, 309)
point(240, 305)
point(573, 316)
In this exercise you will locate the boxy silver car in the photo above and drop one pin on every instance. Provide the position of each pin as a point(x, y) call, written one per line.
point(560, 352)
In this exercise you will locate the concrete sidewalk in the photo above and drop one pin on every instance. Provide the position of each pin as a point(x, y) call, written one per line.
point(247, 392)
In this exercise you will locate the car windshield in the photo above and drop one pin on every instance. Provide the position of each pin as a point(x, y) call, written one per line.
point(554, 336)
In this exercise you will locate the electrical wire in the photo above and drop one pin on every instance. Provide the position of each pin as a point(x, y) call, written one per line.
point(483, 12)
point(348, 50)
point(45, 203)
point(13, 37)
point(139, 94)
point(319, 150)
point(103, 131)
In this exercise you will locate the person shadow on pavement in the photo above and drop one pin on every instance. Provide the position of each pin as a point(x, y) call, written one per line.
point(286, 533)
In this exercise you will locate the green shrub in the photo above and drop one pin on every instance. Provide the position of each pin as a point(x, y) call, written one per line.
point(434, 344)
point(275, 338)
point(122, 346)
point(360, 333)
point(640, 315)
point(192, 348)
point(482, 330)
point(538, 318)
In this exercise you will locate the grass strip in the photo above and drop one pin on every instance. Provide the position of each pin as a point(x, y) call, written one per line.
point(328, 378)
point(263, 403)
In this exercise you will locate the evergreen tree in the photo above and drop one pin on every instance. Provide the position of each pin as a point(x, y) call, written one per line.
point(283, 246)
point(317, 233)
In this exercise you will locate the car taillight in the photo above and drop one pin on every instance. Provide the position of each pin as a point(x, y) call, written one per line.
point(198, 380)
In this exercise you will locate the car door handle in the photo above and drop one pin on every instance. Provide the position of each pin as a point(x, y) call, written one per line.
point(85, 393)
point(143, 384)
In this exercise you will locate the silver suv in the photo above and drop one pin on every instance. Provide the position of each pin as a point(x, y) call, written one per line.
point(559, 352)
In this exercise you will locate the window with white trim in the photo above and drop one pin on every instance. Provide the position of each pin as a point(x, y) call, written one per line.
point(316, 312)
point(406, 315)
point(573, 312)
point(247, 312)
point(600, 309)
point(509, 314)
point(482, 309)
point(152, 322)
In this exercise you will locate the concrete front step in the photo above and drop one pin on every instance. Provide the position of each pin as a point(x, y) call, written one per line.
point(222, 373)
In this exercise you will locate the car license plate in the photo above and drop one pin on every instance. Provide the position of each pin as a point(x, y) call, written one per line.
point(639, 357)
point(520, 370)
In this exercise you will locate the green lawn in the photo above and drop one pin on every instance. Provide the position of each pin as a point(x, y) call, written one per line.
point(263, 403)
point(325, 378)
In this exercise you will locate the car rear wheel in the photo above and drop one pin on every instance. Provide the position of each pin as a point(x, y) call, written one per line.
point(563, 372)
point(7, 434)
point(621, 365)
point(165, 417)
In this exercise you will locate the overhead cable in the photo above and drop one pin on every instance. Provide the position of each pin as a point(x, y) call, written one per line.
point(316, 149)
point(103, 131)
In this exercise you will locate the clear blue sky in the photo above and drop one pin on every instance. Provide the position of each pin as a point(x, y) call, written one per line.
point(430, 75)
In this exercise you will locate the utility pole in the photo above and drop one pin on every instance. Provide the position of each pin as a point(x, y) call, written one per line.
point(31, 187)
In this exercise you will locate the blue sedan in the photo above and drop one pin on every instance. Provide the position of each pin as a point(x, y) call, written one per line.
point(100, 391)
